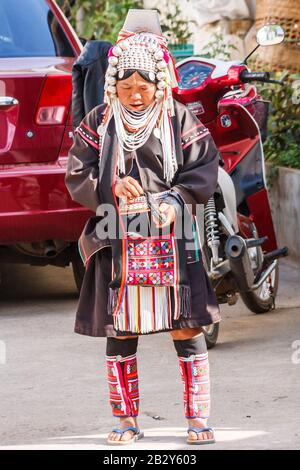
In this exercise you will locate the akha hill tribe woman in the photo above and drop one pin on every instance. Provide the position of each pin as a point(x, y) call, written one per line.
point(142, 143)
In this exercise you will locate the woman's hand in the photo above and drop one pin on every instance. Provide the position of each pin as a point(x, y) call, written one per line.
point(128, 187)
point(170, 213)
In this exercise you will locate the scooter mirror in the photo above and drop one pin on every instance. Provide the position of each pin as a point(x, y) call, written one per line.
point(269, 35)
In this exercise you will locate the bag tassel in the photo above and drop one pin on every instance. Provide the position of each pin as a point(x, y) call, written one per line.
point(185, 301)
point(185, 308)
point(112, 300)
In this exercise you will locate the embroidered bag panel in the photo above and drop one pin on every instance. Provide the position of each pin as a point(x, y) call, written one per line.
point(151, 261)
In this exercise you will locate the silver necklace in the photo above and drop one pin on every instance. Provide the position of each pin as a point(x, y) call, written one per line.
point(136, 120)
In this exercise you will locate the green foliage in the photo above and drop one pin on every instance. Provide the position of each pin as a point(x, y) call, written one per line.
point(102, 19)
point(282, 147)
point(173, 25)
point(217, 48)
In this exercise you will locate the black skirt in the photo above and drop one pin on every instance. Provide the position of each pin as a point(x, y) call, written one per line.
point(92, 316)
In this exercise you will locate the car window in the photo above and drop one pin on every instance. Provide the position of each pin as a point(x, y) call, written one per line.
point(29, 29)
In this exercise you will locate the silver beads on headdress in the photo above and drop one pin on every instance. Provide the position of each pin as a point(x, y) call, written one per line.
point(141, 51)
point(144, 51)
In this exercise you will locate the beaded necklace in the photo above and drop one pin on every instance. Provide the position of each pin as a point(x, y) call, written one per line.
point(133, 128)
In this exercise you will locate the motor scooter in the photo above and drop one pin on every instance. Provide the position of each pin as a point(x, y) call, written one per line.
point(238, 239)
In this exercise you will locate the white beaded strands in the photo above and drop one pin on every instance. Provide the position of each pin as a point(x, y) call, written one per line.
point(148, 52)
point(142, 123)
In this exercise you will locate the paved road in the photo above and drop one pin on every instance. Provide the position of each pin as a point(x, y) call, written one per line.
point(53, 394)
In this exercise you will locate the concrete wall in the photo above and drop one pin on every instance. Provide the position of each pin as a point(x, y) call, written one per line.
point(284, 193)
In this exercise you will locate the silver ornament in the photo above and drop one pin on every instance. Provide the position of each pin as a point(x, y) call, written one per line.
point(159, 94)
point(113, 60)
point(161, 85)
point(161, 65)
point(160, 75)
point(124, 45)
point(152, 48)
point(111, 70)
point(159, 54)
point(111, 80)
point(117, 50)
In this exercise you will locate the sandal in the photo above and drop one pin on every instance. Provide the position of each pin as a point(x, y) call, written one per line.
point(200, 441)
point(137, 436)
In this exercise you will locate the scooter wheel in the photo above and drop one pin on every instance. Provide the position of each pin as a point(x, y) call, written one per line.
point(262, 300)
point(211, 333)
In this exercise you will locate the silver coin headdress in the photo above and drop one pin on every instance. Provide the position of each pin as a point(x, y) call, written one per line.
point(141, 46)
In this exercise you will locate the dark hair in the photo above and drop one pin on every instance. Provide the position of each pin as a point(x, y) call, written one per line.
point(142, 73)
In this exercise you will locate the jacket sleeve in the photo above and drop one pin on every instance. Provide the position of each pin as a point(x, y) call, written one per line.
point(77, 94)
point(197, 179)
point(82, 172)
point(88, 77)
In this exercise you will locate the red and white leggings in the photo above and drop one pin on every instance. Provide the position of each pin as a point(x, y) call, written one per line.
point(122, 376)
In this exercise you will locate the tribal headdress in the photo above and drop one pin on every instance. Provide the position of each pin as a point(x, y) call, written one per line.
point(142, 47)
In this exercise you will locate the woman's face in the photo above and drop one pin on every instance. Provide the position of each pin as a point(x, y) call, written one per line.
point(135, 93)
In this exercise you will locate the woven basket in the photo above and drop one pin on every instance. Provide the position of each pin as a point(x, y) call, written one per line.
point(286, 55)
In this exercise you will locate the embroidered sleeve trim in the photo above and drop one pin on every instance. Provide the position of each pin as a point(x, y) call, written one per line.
point(194, 137)
point(193, 129)
point(89, 130)
point(87, 137)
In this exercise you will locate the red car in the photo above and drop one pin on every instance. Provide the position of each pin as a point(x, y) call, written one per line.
point(39, 223)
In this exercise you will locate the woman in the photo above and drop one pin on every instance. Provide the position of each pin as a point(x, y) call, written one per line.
point(141, 141)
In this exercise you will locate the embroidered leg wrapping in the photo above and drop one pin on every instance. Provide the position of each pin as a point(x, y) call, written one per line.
point(122, 377)
point(194, 370)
